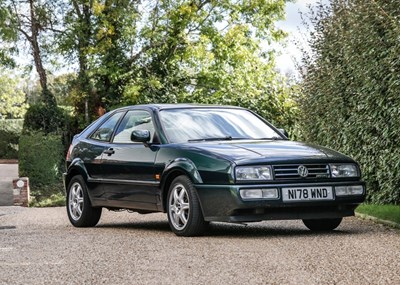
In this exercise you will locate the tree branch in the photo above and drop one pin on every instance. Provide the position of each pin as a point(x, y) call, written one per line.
point(77, 10)
point(28, 37)
point(143, 50)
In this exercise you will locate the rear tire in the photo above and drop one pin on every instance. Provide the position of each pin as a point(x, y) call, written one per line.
point(79, 209)
point(183, 207)
point(321, 225)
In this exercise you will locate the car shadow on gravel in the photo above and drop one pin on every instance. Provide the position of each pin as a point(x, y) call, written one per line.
point(251, 231)
point(160, 226)
point(231, 230)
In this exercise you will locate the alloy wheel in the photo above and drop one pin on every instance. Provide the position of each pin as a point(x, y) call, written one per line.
point(179, 208)
point(75, 201)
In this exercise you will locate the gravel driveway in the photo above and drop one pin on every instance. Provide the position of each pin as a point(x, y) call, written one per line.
point(39, 246)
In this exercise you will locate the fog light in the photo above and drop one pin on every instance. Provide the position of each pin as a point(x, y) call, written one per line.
point(349, 190)
point(248, 194)
point(270, 193)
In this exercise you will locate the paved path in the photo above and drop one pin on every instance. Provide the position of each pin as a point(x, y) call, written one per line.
point(7, 173)
point(39, 246)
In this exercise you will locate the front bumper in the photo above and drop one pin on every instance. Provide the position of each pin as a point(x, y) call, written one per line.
point(223, 203)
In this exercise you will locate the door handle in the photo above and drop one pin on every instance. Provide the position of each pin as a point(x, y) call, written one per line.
point(109, 151)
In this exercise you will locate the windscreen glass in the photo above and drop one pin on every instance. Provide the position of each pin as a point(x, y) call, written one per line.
point(183, 125)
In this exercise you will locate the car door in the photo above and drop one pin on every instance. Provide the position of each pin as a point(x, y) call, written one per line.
point(128, 166)
point(91, 150)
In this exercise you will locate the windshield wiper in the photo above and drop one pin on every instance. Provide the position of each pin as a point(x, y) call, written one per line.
point(226, 138)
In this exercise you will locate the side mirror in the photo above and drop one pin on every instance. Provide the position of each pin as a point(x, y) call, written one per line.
point(284, 132)
point(140, 136)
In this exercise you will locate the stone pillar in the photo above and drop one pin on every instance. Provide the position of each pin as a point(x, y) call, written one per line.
point(21, 191)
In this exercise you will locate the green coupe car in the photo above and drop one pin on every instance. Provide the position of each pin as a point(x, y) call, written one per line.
point(201, 164)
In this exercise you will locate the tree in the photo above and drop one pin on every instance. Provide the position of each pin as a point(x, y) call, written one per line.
point(93, 37)
point(193, 47)
point(12, 98)
point(27, 20)
point(350, 88)
point(133, 52)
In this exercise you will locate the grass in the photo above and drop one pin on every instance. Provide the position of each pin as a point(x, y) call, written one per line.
point(383, 212)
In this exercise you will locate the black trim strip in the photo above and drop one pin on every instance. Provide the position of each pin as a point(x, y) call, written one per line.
point(120, 181)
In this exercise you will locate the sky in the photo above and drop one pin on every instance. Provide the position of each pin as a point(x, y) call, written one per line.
point(296, 31)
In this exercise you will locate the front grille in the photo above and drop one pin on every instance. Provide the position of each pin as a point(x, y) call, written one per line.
point(290, 171)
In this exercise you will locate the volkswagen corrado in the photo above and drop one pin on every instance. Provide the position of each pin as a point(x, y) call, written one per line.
point(201, 164)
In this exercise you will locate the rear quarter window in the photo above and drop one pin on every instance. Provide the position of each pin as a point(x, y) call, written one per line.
point(104, 131)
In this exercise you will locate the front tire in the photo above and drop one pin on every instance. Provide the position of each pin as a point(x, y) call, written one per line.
point(79, 209)
point(321, 225)
point(184, 212)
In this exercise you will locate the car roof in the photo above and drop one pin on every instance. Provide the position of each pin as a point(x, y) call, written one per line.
point(177, 106)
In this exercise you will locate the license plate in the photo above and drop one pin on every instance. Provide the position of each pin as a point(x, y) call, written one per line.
point(318, 193)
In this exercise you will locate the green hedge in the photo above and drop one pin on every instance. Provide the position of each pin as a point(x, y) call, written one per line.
point(10, 131)
point(43, 144)
point(351, 86)
point(41, 158)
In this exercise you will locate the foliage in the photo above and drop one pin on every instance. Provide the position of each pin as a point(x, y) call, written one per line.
point(41, 158)
point(351, 87)
point(54, 200)
point(132, 52)
point(8, 36)
point(47, 132)
point(41, 117)
point(12, 98)
point(159, 51)
point(51, 120)
point(383, 212)
point(61, 87)
point(10, 131)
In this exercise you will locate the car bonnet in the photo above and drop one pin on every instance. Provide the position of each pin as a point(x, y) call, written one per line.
point(253, 151)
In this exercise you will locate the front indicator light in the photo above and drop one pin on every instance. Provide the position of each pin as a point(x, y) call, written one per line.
point(249, 194)
point(349, 190)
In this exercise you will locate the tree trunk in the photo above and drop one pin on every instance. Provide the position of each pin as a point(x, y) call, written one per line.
point(84, 13)
point(48, 98)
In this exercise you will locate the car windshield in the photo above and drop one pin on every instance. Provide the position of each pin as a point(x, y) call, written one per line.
point(207, 124)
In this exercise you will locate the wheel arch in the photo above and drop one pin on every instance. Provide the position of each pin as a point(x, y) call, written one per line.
point(77, 167)
point(180, 166)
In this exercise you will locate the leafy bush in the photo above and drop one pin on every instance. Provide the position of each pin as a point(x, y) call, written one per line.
point(45, 138)
point(45, 118)
point(351, 89)
point(51, 119)
point(10, 130)
point(41, 158)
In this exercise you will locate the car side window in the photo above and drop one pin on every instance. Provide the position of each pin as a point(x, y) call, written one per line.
point(105, 131)
point(134, 120)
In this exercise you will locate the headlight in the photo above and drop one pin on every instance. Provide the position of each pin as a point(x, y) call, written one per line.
point(244, 173)
point(344, 170)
